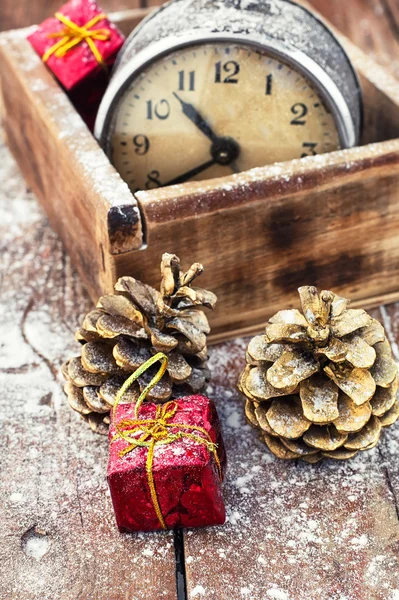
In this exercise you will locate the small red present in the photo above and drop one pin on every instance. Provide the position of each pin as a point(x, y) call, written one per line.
point(77, 42)
point(166, 464)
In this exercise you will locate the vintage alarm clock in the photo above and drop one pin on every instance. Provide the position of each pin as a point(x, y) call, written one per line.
point(207, 88)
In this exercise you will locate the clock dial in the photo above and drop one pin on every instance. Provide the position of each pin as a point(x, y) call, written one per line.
point(212, 110)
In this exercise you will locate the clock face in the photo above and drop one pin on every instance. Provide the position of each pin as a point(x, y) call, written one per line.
point(212, 110)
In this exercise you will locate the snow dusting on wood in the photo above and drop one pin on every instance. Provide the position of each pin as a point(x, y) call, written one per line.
point(58, 537)
point(296, 531)
point(293, 532)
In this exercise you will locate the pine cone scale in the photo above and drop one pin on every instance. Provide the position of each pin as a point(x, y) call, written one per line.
point(81, 377)
point(97, 357)
point(291, 368)
point(384, 399)
point(129, 356)
point(76, 399)
point(299, 447)
point(276, 446)
point(142, 296)
point(285, 417)
point(384, 369)
point(260, 350)
point(358, 384)
point(367, 437)
point(352, 418)
point(359, 353)
point(349, 321)
point(319, 397)
point(324, 438)
point(94, 401)
point(112, 326)
point(391, 416)
point(257, 384)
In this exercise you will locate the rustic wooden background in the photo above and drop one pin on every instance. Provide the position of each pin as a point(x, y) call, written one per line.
point(294, 532)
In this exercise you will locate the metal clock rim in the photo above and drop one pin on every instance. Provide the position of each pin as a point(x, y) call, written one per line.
point(319, 78)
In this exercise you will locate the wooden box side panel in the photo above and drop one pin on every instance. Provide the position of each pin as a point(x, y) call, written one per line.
point(270, 231)
point(230, 225)
point(85, 199)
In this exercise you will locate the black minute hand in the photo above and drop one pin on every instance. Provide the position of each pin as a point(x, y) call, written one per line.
point(192, 113)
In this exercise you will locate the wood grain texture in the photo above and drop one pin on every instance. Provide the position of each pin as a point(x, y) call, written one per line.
point(23, 13)
point(279, 233)
point(63, 164)
point(127, 20)
point(370, 24)
point(326, 230)
point(294, 532)
point(58, 538)
point(379, 85)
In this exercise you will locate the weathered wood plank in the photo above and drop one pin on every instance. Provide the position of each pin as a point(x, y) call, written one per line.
point(369, 24)
point(21, 14)
point(294, 532)
point(320, 223)
point(62, 163)
point(101, 227)
point(298, 533)
point(58, 538)
point(127, 20)
point(391, 8)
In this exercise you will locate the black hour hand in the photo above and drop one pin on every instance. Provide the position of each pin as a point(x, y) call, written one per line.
point(192, 113)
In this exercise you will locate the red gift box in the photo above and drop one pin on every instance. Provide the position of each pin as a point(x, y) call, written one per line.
point(180, 484)
point(80, 46)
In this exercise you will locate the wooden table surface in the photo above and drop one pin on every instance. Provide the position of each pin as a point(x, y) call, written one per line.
point(293, 531)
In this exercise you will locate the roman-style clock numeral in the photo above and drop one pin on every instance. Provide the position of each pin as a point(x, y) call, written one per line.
point(300, 110)
point(269, 85)
point(231, 68)
point(182, 81)
point(142, 144)
point(161, 110)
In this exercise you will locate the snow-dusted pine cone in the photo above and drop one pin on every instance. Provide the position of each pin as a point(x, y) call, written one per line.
point(321, 383)
point(127, 328)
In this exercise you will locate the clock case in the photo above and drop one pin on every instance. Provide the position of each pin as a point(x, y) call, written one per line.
point(284, 29)
point(330, 220)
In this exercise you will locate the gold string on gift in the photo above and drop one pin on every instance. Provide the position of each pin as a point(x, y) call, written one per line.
point(72, 35)
point(152, 432)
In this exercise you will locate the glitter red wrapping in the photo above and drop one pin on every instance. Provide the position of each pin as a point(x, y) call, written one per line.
point(79, 63)
point(186, 477)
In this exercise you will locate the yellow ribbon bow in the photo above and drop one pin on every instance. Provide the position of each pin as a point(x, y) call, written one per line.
point(150, 433)
point(72, 35)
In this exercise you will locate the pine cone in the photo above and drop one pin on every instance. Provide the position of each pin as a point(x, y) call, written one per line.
point(127, 328)
point(322, 383)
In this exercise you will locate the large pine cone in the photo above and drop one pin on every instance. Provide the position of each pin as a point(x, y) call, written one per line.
point(322, 383)
point(127, 328)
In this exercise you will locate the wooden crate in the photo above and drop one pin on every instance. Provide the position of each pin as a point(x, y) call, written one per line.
point(330, 220)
